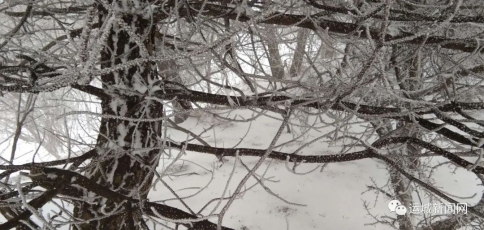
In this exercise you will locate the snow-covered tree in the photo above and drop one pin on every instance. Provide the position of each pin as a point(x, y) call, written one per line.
point(104, 86)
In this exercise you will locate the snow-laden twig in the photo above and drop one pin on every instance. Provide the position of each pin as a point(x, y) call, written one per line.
point(479, 158)
point(237, 158)
point(252, 171)
point(429, 30)
point(123, 118)
point(34, 211)
point(268, 190)
point(293, 170)
point(181, 221)
point(103, 35)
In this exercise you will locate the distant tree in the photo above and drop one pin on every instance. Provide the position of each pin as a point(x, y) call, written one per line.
point(96, 84)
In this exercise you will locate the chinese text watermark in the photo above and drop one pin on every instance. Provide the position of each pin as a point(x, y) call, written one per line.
point(442, 209)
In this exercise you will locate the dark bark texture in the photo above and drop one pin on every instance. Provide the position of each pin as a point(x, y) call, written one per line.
point(121, 169)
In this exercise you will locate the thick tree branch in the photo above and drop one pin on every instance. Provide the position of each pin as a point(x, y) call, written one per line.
point(399, 15)
point(382, 112)
point(92, 186)
point(76, 160)
point(89, 89)
point(10, 34)
point(303, 21)
point(452, 157)
point(254, 100)
point(221, 152)
point(35, 203)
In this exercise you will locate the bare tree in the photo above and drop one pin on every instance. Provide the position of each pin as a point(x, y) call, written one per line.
point(96, 84)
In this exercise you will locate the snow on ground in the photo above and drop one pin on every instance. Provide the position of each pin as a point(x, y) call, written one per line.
point(331, 199)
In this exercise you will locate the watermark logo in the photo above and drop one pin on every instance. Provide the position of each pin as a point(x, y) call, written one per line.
point(449, 208)
point(442, 209)
point(397, 207)
point(401, 210)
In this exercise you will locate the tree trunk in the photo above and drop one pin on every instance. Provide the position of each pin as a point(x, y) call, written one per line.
point(297, 58)
point(399, 183)
point(408, 81)
point(121, 169)
point(275, 61)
